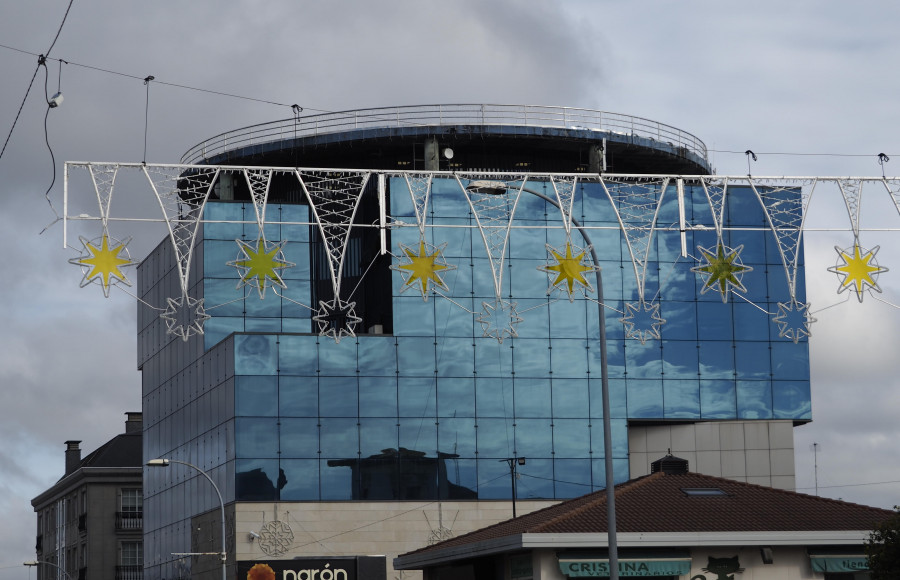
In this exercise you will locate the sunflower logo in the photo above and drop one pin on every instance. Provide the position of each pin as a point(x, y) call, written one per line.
point(261, 572)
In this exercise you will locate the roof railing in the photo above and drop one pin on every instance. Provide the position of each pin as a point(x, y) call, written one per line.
point(443, 115)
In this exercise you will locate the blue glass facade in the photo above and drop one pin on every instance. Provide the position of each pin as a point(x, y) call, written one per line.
point(430, 408)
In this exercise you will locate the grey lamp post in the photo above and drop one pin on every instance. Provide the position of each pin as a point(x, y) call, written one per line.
point(165, 463)
point(57, 566)
point(499, 188)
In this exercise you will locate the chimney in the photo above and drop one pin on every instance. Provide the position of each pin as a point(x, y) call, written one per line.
point(134, 422)
point(73, 456)
point(669, 465)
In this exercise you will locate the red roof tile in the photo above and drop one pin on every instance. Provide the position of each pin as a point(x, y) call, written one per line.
point(658, 503)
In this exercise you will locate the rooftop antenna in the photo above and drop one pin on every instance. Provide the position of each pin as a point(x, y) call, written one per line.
point(816, 466)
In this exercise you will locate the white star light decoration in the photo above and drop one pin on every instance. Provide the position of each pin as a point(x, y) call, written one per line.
point(642, 321)
point(261, 265)
point(498, 319)
point(793, 320)
point(337, 319)
point(102, 262)
point(184, 317)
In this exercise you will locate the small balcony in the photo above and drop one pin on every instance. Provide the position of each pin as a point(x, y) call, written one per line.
point(129, 520)
point(129, 572)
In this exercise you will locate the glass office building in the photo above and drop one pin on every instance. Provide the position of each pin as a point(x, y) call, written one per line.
point(418, 403)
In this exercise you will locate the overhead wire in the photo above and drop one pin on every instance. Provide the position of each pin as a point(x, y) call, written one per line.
point(42, 58)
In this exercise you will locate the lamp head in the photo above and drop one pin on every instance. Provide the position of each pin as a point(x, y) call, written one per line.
point(158, 463)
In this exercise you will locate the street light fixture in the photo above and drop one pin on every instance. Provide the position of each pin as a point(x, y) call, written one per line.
point(162, 462)
point(57, 566)
point(492, 187)
point(513, 461)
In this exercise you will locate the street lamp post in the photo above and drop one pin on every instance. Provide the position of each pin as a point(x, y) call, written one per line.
point(165, 463)
point(499, 188)
point(57, 566)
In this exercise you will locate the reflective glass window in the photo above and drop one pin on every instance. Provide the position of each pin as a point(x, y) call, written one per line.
point(644, 398)
point(643, 360)
point(338, 438)
point(377, 435)
point(299, 438)
point(532, 397)
point(716, 359)
point(495, 437)
point(455, 357)
point(456, 436)
point(419, 435)
point(413, 316)
point(680, 359)
point(752, 360)
point(791, 399)
point(255, 354)
point(754, 399)
point(568, 357)
point(531, 357)
point(337, 480)
point(494, 397)
point(416, 397)
point(338, 397)
point(377, 356)
point(255, 437)
point(256, 396)
point(338, 359)
point(717, 399)
point(298, 396)
point(790, 361)
point(415, 356)
point(572, 477)
point(493, 359)
point(256, 479)
point(535, 479)
point(297, 355)
point(301, 477)
point(681, 399)
point(377, 397)
point(570, 397)
point(571, 437)
point(456, 397)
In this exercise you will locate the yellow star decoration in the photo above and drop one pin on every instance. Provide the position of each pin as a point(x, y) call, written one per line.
point(103, 264)
point(859, 269)
point(261, 265)
point(423, 267)
point(569, 269)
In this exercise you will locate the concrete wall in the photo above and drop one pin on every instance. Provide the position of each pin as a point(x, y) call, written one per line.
point(760, 452)
point(323, 529)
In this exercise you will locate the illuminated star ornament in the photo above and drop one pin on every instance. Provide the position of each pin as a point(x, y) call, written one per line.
point(793, 320)
point(642, 321)
point(859, 269)
point(336, 319)
point(261, 265)
point(184, 316)
point(721, 268)
point(569, 270)
point(499, 320)
point(421, 267)
point(103, 264)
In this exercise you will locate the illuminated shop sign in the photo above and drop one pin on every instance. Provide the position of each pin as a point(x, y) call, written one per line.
point(338, 568)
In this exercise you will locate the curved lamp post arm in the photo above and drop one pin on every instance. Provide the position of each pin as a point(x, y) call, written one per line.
point(57, 566)
point(165, 463)
point(498, 188)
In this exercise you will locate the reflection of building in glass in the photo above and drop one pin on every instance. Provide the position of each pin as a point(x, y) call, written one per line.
point(279, 414)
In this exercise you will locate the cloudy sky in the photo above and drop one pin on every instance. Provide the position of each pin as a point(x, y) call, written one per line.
point(787, 80)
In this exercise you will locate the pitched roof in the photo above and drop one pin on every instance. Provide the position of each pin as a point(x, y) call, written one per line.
point(659, 503)
point(123, 450)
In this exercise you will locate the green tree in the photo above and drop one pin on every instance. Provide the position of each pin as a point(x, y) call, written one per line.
point(883, 548)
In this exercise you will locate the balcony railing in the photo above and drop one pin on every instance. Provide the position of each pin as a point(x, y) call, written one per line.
point(129, 572)
point(129, 520)
point(437, 115)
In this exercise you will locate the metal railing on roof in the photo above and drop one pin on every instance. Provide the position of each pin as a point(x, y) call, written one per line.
point(437, 115)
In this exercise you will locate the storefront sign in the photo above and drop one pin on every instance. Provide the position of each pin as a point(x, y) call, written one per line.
point(839, 563)
point(337, 568)
point(634, 568)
